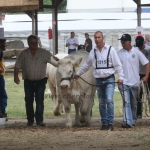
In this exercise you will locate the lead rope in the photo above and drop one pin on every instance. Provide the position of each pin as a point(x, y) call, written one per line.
point(145, 100)
point(124, 103)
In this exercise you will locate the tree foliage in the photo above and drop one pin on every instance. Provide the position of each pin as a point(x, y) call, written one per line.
point(61, 7)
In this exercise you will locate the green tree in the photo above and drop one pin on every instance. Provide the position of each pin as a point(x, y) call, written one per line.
point(61, 7)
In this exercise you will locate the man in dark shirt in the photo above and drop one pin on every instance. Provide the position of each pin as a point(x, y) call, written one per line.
point(88, 43)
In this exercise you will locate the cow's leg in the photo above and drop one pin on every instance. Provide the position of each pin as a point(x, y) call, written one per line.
point(67, 107)
point(77, 107)
point(54, 99)
point(86, 109)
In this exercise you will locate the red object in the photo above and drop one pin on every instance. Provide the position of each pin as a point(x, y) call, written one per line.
point(50, 34)
point(139, 35)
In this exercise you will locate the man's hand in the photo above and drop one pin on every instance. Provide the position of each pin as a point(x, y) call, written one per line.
point(76, 76)
point(120, 81)
point(17, 80)
point(145, 79)
point(56, 58)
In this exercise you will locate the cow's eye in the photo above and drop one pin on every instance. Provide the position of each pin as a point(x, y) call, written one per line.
point(70, 71)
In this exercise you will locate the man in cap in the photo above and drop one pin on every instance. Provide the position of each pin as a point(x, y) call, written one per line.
point(145, 49)
point(3, 94)
point(130, 58)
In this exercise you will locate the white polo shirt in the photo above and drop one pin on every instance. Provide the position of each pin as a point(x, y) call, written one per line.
point(72, 41)
point(130, 63)
point(103, 73)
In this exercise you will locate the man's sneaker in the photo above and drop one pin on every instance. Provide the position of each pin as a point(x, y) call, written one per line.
point(104, 127)
point(139, 116)
point(5, 116)
point(29, 124)
point(125, 126)
point(41, 124)
point(110, 127)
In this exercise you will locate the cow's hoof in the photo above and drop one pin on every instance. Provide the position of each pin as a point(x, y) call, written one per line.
point(77, 125)
point(69, 125)
point(85, 125)
point(56, 113)
point(82, 120)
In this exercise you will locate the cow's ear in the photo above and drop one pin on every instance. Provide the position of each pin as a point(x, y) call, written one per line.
point(54, 62)
point(77, 61)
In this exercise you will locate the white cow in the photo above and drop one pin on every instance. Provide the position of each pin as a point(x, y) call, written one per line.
point(51, 75)
point(72, 91)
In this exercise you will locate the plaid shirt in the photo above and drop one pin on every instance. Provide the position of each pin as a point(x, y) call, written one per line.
point(33, 68)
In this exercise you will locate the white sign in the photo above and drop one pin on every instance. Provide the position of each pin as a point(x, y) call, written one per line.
point(1, 33)
point(139, 29)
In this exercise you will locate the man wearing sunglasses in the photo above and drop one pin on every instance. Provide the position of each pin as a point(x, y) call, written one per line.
point(33, 62)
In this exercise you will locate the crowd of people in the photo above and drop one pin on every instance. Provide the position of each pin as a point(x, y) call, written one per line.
point(131, 63)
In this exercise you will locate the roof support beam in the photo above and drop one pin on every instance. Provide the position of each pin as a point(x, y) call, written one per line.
point(139, 12)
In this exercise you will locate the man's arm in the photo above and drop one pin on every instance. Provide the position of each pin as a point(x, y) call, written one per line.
point(16, 78)
point(145, 78)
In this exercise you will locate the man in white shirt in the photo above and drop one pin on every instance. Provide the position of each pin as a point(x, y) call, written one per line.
point(145, 49)
point(130, 58)
point(105, 60)
point(72, 43)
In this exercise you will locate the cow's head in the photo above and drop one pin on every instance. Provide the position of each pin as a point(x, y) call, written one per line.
point(66, 70)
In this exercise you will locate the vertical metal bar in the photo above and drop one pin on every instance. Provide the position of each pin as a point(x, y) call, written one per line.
point(55, 30)
point(36, 23)
point(33, 28)
point(139, 13)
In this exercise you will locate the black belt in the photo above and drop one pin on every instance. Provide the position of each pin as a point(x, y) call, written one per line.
point(106, 77)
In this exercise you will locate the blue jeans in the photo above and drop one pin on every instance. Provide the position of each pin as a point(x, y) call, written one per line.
point(71, 50)
point(105, 97)
point(129, 103)
point(3, 96)
point(34, 89)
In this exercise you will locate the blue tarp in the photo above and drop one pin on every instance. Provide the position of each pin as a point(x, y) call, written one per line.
point(144, 10)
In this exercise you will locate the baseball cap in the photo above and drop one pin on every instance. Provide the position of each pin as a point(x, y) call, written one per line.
point(81, 47)
point(125, 37)
point(139, 41)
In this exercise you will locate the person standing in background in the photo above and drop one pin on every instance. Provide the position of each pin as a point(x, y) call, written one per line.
point(3, 94)
point(147, 39)
point(88, 43)
point(72, 43)
point(145, 49)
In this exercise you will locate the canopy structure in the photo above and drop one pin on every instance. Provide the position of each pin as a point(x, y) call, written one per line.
point(31, 8)
point(9, 6)
point(139, 5)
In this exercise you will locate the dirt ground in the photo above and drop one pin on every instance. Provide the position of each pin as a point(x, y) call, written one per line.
point(55, 136)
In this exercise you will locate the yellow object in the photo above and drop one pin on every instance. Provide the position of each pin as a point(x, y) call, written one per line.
point(2, 67)
point(76, 65)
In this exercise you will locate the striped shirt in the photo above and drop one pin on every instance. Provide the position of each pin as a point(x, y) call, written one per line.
point(33, 68)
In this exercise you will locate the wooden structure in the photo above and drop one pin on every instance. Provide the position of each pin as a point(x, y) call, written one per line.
point(18, 5)
point(31, 8)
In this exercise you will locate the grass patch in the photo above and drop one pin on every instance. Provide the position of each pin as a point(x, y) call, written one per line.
point(16, 104)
